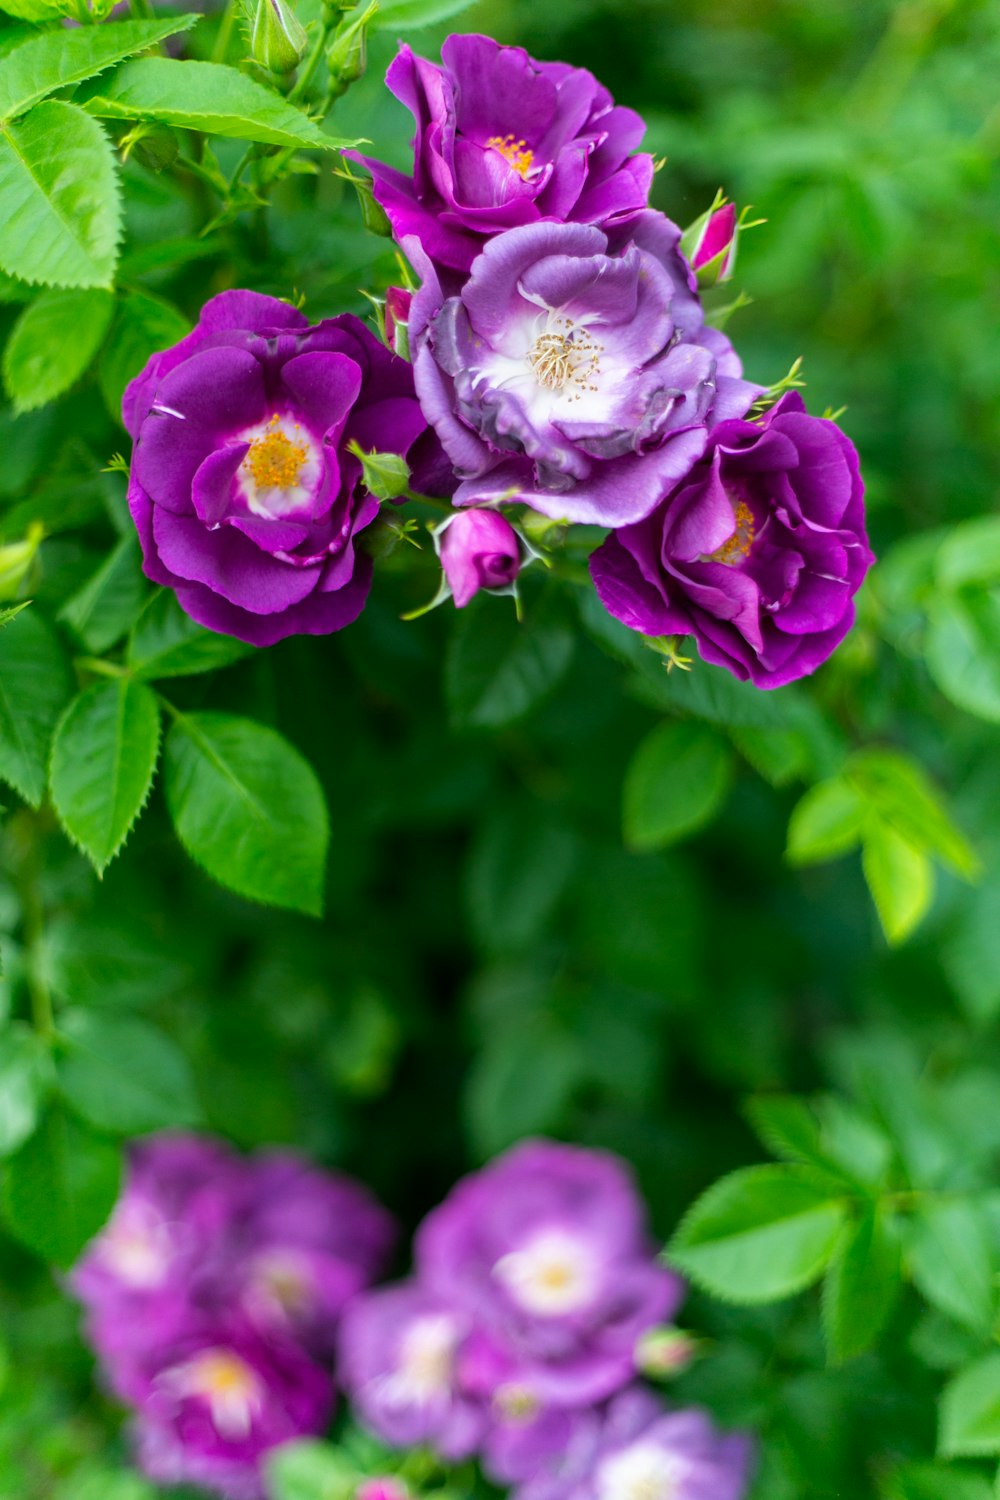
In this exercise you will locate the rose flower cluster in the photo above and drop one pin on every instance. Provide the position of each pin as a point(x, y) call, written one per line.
point(225, 1293)
point(562, 362)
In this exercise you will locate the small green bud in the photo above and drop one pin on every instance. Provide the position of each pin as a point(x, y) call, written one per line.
point(153, 146)
point(279, 40)
point(16, 559)
point(385, 475)
point(347, 54)
point(664, 1352)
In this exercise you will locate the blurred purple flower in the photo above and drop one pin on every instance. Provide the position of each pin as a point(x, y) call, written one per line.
point(546, 1254)
point(636, 1448)
point(399, 1364)
point(503, 140)
point(479, 549)
point(574, 372)
point(757, 552)
point(245, 496)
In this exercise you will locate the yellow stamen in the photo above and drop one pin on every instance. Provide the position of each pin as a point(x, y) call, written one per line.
point(560, 359)
point(275, 460)
point(736, 547)
point(514, 152)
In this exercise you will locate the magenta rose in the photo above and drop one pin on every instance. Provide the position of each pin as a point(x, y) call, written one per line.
point(503, 140)
point(758, 552)
point(246, 497)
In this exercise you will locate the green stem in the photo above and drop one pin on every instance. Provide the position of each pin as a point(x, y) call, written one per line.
point(225, 32)
point(305, 78)
point(100, 667)
point(142, 10)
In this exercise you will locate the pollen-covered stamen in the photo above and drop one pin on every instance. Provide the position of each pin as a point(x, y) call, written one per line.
point(232, 1391)
point(735, 548)
point(570, 358)
point(515, 153)
point(275, 459)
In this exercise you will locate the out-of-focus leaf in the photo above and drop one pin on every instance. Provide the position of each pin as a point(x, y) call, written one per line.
point(35, 686)
point(675, 784)
point(23, 1083)
point(123, 1075)
point(497, 668)
point(102, 611)
point(862, 1285)
point(952, 1260)
point(970, 1411)
point(60, 1188)
point(518, 870)
point(826, 822)
point(52, 344)
point(143, 326)
point(900, 878)
point(963, 650)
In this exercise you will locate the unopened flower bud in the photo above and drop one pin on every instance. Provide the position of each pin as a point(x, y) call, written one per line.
point(385, 475)
point(479, 549)
point(710, 244)
point(16, 559)
point(154, 146)
point(384, 1488)
point(664, 1352)
point(279, 39)
point(347, 54)
point(397, 317)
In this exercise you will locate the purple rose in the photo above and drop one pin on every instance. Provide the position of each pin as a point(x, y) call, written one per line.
point(545, 1251)
point(217, 1400)
point(502, 141)
point(245, 496)
point(573, 372)
point(757, 552)
point(399, 1362)
point(479, 549)
point(636, 1448)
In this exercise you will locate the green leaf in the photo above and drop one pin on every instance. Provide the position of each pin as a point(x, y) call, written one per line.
point(35, 686)
point(969, 1412)
point(248, 808)
point(675, 784)
point(60, 1188)
point(143, 326)
point(711, 693)
point(498, 669)
point(905, 797)
point(781, 756)
point(787, 1126)
point(758, 1235)
point(826, 822)
point(403, 15)
point(210, 97)
point(862, 1287)
point(59, 58)
point(922, 1481)
point(168, 643)
point(122, 1075)
point(520, 1083)
point(58, 184)
point(23, 1083)
point(519, 867)
point(102, 611)
point(963, 649)
point(971, 954)
point(103, 761)
point(952, 1262)
point(970, 553)
point(309, 1470)
point(52, 344)
point(900, 878)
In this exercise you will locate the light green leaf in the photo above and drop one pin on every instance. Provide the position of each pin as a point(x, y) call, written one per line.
point(675, 784)
point(59, 58)
point(970, 1411)
point(123, 1075)
point(923, 1481)
point(970, 553)
point(404, 15)
point(905, 797)
point(34, 10)
point(498, 669)
point(143, 326)
point(168, 643)
point(23, 1083)
point(210, 97)
point(826, 822)
point(52, 344)
point(100, 613)
point(35, 686)
point(862, 1287)
point(758, 1235)
point(963, 650)
point(60, 1188)
point(952, 1262)
point(61, 213)
point(248, 808)
point(900, 878)
point(787, 1126)
point(310, 1470)
point(103, 761)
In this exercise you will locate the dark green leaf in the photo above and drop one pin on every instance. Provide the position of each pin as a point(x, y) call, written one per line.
point(675, 784)
point(61, 218)
point(862, 1286)
point(498, 669)
point(123, 1075)
point(35, 686)
point(60, 1188)
point(168, 643)
point(104, 609)
point(520, 1083)
point(249, 808)
point(518, 870)
point(52, 344)
point(103, 761)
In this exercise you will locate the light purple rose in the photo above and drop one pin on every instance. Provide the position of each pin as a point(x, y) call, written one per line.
point(502, 141)
point(217, 1400)
point(758, 552)
point(546, 1253)
point(246, 498)
point(637, 1448)
point(399, 1362)
point(573, 372)
point(479, 549)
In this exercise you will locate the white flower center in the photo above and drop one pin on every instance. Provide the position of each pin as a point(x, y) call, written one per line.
point(280, 473)
point(552, 1275)
point(233, 1392)
point(425, 1362)
point(280, 1285)
point(642, 1472)
point(136, 1247)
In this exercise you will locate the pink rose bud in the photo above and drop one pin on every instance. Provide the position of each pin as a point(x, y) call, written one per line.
point(710, 243)
point(397, 316)
point(665, 1351)
point(382, 1489)
point(479, 549)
